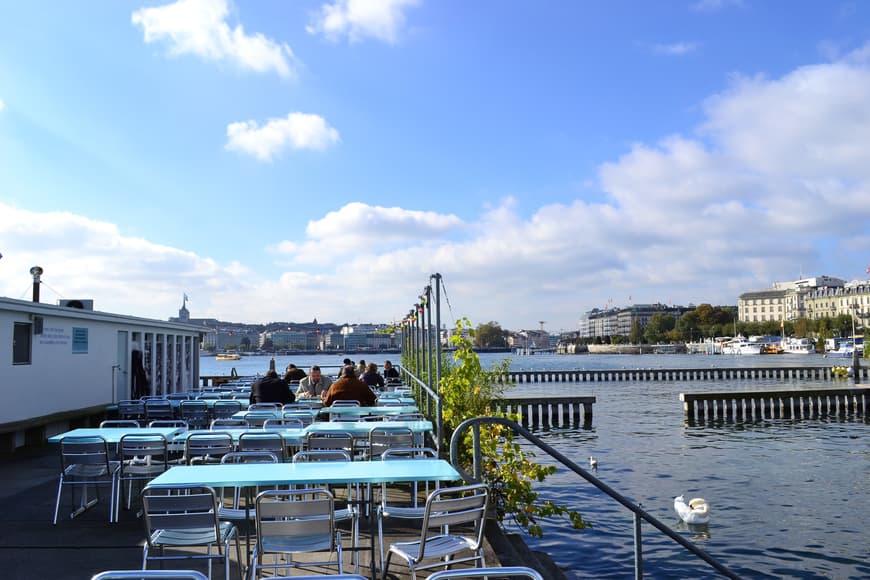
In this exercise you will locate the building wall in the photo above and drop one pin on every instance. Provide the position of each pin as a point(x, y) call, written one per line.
point(82, 359)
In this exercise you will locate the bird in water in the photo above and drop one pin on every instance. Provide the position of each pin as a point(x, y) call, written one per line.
point(593, 463)
point(697, 511)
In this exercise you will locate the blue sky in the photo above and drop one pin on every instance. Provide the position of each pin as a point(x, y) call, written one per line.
point(291, 160)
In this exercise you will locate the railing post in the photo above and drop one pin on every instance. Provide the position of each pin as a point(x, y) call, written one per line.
point(638, 547)
point(439, 425)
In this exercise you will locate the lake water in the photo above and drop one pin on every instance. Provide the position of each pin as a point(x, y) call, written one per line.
point(789, 498)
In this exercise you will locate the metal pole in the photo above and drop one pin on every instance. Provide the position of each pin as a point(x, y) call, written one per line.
point(638, 547)
point(856, 364)
point(424, 347)
point(438, 407)
point(429, 335)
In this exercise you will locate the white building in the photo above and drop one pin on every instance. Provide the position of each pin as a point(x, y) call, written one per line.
point(68, 364)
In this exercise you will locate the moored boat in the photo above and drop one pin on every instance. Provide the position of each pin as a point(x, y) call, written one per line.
point(792, 345)
point(228, 356)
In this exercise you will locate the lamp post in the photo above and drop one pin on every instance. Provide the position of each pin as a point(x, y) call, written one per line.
point(856, 364)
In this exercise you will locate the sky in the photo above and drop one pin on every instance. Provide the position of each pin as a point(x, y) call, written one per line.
point(286, 161)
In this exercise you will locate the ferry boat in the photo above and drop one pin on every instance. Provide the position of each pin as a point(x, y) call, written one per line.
point(741, 346)
point(228, 356)
point(792, 345)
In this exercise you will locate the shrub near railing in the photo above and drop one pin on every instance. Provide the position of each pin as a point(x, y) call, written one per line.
point(468, 390)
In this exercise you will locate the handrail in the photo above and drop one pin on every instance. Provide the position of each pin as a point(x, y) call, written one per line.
point(426, 397)
point(639, 512)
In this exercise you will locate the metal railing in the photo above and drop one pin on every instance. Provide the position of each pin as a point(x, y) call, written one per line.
point(640, 515)
point(429, 403)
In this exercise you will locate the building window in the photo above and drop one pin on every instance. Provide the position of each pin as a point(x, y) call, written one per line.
point(21, 343)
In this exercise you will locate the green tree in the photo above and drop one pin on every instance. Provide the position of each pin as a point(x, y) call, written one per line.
point(490, 335)
point(468, 390)
point(657, 326)
point(635, 335)
point(689, 326)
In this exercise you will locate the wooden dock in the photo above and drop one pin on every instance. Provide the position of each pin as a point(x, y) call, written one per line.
point(550, 411)
point(688, 374)
point(780, 404)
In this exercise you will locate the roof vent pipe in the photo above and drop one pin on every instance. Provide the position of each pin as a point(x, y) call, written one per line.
point(36, 272)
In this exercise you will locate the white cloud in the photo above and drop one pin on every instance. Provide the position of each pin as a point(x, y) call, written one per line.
point(774, 182)
point(200, 27)
point(2, 105)
point(296, 131)
point(675, 49)
point(358, 19)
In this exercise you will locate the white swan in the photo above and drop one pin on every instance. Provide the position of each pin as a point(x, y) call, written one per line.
point(593, 463)
point(697, 511)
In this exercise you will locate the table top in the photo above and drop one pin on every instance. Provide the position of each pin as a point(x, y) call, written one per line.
point(114, 434)
point(312, 413)
point(379, 411)
point(321, 472)
point(290, 436)
point(362, 428)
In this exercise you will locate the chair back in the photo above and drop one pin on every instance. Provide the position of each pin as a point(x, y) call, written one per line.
point(285, 423)
point(345, 404)
point(158, 409)
point(382, 438)
point(297, 406)
point(218, 424)
point(150, 575)
point(178, 396)
point(330, 440)
point(226, 409)
point(493, 573)
point(178, 423)
point(320, 455)
point(207, 447)
point(195, 413)
point(143, 456)
point(305, 418)
point(263, 442)
point(181, 508)
point(250, 457)
point(302, 514)
point(455, 506)
point(119, 424)
point(90, 454)
point(131, 409)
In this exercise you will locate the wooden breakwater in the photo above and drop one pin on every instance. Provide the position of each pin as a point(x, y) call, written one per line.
point(550, 411)
point(688, 374)
point(780, 404)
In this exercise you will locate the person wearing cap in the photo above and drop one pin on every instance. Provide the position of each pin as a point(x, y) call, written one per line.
point(349, 388)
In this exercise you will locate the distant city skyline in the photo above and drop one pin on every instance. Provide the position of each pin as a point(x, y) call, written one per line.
point(322, 158)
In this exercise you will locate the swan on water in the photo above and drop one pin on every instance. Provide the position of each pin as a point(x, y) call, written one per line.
point(695, 512)
point(593, 463)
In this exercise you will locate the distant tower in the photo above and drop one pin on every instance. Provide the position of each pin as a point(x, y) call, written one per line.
point(542, 323)
point(183, 313)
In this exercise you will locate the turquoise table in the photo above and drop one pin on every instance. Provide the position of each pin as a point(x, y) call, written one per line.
point(292, 437)
point(275, 414)
point(114, 434)
point(379, 411)
point(360, 429)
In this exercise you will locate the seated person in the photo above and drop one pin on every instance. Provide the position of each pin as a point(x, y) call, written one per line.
point(314, 385)
point(271, 389)
point(293, 373)
point(360, 367)
point(391, 373)
point(372, 377)
point(349, 388)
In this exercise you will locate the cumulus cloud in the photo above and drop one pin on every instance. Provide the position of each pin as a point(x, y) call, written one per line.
point(2, 105)
point(675, 49)
point(295, 131)
point(774, 181)
point(358, 19)
point(200, 28)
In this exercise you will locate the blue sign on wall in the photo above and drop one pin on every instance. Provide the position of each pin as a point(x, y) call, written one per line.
point(79, 340)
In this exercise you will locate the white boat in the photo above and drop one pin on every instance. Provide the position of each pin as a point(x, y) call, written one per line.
point(741, 346)
point(793, 345)
point(844, 350)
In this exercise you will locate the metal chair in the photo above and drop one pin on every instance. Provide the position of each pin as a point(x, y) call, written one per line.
point(284, 423)
point(347, 513)
point(195, 413)
point(330, 440)
point(158, 409)
point(345, 404)
point(264, 407)
point(294, 521)
point(86, 461)
point(228, 424)
point(306, 418)
point(225, 409)
point(131, 409)
point(143, 457)
point(272, 442)
point(256, 419)
point(120, 424)
point(384, 437)
point(184, 517)
point(207, 447)
point(457, 507)
point(178, 423)
point(487, 573)
point(150, 575)
point(408, 508)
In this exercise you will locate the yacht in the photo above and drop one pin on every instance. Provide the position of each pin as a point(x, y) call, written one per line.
point(844, 350)
point(792, 345)
point(740, 345)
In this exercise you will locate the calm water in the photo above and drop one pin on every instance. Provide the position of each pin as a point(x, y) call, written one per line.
point(789, 498)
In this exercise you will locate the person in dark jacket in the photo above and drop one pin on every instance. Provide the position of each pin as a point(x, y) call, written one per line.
point(391, 373)
point(349, 388)
point(271, 389)
point(293, 373)
point(372, 377)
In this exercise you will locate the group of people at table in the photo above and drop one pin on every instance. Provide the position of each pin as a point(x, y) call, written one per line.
point(355, 383)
